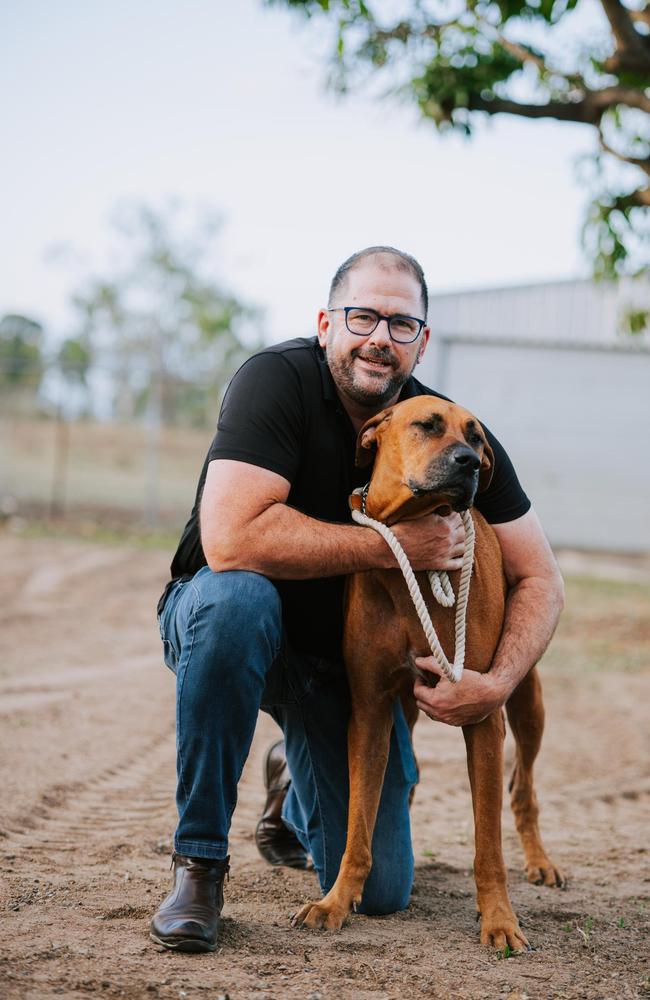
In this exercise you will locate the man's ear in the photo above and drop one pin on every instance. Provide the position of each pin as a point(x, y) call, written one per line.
point(367, 439)
point(487, 468)
point(323, 326)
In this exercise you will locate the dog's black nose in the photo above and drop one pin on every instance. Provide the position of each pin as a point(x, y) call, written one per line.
point(466, 458)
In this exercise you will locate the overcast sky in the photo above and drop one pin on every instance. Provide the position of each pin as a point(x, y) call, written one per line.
point(224, 104)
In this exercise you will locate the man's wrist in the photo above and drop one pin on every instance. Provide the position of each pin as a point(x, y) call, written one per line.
point(499, 686)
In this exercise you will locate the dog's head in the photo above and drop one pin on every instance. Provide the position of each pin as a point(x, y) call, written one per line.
point(430, 455)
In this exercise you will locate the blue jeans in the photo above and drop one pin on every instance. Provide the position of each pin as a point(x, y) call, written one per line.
point(223, 638)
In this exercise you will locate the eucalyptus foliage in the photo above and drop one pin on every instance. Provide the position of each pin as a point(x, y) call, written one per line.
point(159, 326)
point(583, 61)
point(21, 354)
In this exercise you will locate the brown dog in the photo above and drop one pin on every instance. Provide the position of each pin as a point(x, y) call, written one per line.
point(432, 455)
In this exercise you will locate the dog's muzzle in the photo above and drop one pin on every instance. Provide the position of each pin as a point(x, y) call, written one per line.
point(453, 475)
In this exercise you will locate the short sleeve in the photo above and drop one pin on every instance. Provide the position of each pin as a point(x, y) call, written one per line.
point(262, 416)
point(504, 499)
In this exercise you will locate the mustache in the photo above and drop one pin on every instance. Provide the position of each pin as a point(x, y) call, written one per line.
point(375, 354)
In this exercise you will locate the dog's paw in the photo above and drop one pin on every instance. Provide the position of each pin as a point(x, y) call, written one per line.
point(500, 928)
point(319, 916)
point(542, 871)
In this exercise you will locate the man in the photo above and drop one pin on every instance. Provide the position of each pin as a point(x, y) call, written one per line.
point(253, 614)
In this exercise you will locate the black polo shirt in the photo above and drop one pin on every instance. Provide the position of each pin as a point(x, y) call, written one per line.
point(281, 412)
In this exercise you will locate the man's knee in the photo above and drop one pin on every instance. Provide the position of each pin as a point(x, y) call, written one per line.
point(240, 608)
point(388, 886)
point(239, 592)
point(382, 896)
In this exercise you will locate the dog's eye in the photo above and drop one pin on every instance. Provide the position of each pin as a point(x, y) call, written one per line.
point(475, 439)
point(432, 426)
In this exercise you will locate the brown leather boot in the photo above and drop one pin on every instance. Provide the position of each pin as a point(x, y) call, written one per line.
point(276, 842)
point(188, 920)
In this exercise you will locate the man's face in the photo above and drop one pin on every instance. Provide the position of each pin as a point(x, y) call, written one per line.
point(370, 371)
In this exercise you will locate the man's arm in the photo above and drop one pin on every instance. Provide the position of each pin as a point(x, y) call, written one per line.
point(247, 525)
point(533, 605)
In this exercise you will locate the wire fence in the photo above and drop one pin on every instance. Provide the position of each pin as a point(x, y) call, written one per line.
point(572, 416)
point(60, 460)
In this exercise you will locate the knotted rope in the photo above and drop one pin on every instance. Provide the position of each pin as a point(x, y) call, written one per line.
point(440, 587)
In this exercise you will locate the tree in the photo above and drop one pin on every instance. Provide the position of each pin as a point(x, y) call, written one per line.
point(161, 331)
point(21, 358)
point(459, 60)
point(74, 359)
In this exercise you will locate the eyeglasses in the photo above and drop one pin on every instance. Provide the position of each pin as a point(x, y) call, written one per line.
point(362, 322)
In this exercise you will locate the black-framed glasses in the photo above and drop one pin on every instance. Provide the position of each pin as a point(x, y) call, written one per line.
point(362, 322)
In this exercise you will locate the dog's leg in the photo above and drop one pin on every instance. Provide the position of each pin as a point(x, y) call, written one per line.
point(525, 710)
point(368, 746)
point(484, 741)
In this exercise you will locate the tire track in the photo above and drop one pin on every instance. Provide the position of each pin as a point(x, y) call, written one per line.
point(596, 794)
point(118, 803)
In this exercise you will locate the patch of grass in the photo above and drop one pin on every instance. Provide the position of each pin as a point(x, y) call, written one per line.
point(136, 535)
point(585, 931)
point(605, 626)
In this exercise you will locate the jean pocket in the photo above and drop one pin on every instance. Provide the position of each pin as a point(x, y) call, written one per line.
point(169, 655)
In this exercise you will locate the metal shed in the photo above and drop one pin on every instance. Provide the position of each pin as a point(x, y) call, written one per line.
point(549, 370)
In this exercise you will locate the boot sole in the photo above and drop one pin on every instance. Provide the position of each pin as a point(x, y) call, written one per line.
point(183, 944)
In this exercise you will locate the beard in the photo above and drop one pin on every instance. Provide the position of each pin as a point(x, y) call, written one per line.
point(367, 389)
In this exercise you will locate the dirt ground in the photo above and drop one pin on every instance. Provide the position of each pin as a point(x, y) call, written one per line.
point(87, 768)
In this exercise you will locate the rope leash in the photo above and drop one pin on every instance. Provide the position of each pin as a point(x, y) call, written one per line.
point(440, 586)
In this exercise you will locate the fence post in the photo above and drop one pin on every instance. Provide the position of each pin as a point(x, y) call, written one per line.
point(154, 422)
point(60, 462)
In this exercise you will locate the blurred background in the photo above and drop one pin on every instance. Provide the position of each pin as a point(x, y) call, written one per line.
point(182, 180)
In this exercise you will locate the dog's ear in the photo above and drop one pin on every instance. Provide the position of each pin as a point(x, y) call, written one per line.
point(367, 439)
point(486, 470)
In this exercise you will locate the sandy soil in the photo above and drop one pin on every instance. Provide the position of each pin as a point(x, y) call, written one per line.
point(87, 753)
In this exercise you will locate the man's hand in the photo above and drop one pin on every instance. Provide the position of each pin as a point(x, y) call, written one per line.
point(471, 700)
point(533, 605)
point(433, 542)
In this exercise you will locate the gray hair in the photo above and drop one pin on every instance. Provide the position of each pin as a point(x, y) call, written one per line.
point(402, 261)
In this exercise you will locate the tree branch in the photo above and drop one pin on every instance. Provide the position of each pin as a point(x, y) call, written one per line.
point(403, 31)
point(524, 55)
point(641, 16)
point(630, 62)
point(576, 111)
point(610, 96)
point(521, 53)
point(587, 111)
point(636, 161)
point(626, 35)
point(636, 199)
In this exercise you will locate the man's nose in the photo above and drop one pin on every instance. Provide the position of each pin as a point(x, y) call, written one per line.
point(380, 336)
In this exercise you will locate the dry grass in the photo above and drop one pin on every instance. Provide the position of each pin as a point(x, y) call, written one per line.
point(605, 626)
point(107, 464)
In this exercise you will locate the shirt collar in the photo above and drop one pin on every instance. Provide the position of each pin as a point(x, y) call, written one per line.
point(327, 382)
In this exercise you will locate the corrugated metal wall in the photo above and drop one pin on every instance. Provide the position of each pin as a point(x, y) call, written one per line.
point(568, 395)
